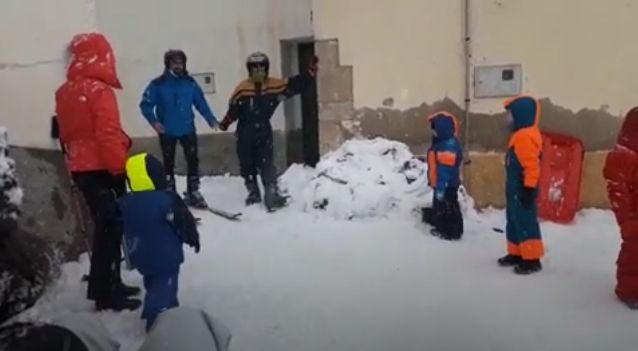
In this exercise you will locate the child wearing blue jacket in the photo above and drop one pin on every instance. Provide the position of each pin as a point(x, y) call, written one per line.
point(444, 159)
point(156, 223)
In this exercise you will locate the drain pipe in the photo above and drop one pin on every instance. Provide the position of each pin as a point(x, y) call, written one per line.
point(467, 53)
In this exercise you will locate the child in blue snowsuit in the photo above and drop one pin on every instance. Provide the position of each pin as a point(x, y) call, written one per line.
point(444, 159)
point(156, 225)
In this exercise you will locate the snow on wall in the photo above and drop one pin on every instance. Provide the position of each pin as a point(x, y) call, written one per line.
point(363, 178)
point(10, 192)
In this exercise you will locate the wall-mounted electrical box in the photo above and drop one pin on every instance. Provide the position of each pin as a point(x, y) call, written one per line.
point(206, 81)
point(497, 81)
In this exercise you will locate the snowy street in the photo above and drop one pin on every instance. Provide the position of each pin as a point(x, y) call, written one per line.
point(294, 281)
point(306, 280)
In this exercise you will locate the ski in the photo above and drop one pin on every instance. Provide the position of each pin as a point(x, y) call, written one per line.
point(231, 216)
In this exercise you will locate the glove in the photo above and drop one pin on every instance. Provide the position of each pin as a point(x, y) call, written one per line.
point(313, 68)
point(527, 197)
point(159, 127)
point(224, 124)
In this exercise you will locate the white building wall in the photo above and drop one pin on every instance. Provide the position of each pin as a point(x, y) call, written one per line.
point(217, 35)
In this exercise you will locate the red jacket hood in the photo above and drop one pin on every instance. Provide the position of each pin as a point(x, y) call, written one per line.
point(628, 136)
point(92, 57)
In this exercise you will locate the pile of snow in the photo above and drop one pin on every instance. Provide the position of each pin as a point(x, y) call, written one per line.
point(363, 178)
point(10, 192)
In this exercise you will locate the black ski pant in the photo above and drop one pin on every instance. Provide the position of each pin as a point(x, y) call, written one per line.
point(189, 146)
point(101, 190)
point(445, 215)
point(255, 153)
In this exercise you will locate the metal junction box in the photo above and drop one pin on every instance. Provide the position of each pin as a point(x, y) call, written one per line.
point(497, 81)
point(206, 81)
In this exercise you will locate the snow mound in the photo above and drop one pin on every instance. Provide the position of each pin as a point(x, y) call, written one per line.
point(10, 192)
point(363, 178)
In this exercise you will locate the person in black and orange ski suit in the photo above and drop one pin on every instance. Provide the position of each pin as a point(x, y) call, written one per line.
point(253, 104)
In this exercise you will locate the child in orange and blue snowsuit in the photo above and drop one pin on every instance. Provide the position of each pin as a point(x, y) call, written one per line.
point(524, 243)
point(444, 161)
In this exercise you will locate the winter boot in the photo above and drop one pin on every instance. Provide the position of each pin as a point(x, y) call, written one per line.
point(254, 195)
point(195, 199)
point(526, 267)
point(427, 215)
point(118, 303)
point(125, 290)
point(509, 261)
point(273, 199)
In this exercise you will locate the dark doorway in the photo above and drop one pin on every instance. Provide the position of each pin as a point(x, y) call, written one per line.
point(309, 110)
point(302, 112)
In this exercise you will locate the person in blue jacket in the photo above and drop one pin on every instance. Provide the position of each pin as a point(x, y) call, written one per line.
point(444, 159)
point(167, 104)
point(156, 223)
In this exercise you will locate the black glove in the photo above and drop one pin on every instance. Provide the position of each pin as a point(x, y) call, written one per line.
point(527, 197)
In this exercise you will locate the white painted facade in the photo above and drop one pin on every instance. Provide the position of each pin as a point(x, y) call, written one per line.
point(217, 35)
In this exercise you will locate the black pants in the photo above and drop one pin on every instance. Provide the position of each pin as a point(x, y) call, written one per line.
point(255, 153)
point(189, 145)
point(445, 215)
point(101, 190)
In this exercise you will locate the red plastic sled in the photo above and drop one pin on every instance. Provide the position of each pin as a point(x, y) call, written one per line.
point(561, 175)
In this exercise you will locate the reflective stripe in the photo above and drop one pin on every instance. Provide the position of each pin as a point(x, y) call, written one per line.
point(513, 249)
point(446, 158)
point(532, 249)
point(138, 177)
point(432, 175)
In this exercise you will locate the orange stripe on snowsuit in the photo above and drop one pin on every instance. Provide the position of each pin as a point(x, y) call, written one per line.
point(532, 249)
point(513, 249)
point(446, 158)
point(528, 144)
point(432, 175)
point(449, 115)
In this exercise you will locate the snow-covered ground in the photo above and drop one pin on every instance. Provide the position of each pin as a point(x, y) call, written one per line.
point(310, 279)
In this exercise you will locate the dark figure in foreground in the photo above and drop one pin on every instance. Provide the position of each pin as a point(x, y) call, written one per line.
point(253, 104)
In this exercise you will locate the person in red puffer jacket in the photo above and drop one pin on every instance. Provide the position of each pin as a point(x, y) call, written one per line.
point(96, 150)
point(621, 173)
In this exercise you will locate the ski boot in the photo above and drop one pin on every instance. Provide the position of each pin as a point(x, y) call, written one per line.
point(254, 195)
point(273, 199)
point(118, 303)
point(195, 199)
point(526, 267)
point(509, 261)
point(125, 290)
